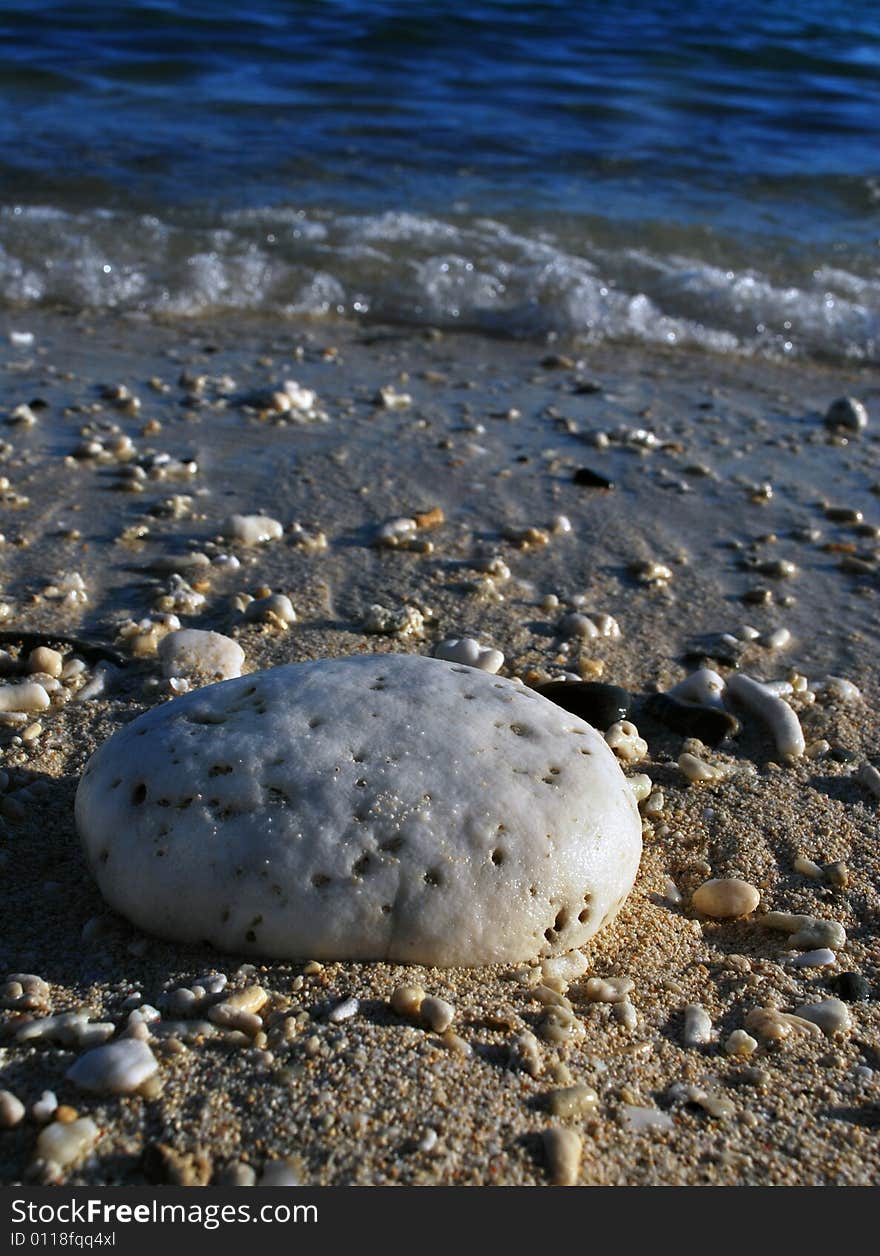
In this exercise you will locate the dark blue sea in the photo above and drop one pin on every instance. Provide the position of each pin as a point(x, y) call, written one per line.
point(680, 173)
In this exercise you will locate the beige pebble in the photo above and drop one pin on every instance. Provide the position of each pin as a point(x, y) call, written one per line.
point(436, 1013)
point(697, 1026)
point(406, 1000)
point(560, 1025)
point(576, 1100)
point(65, 1144)
point(525, 1053)
point(724, 898)
point(11, 1110)
point(563, 1149)
point(44, 659)
point(699, 772)
point(608, 989)
point(740, 1043)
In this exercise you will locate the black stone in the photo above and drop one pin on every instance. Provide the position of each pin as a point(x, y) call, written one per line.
point(714, 647)
point(591, 479)
point(600, 705)
point(709, 723)
point(851, 987)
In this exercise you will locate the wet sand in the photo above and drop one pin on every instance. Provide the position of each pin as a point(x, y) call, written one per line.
point(719, 468)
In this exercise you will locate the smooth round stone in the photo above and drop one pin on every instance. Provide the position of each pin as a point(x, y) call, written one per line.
point(599, 704)
point(116, 1068)
point(200, 655)
point(725, 897)
point(847, 413)
point(375, 807)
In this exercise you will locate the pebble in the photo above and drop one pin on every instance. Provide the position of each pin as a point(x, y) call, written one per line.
point(710, 724)
point(45, 1107)
point(558, 1024)
point(279, 1173)
point(772, 711)
point(406, 1000)
point(563, 1149)
point(697, 1026)
point(26, 696)
point(344, 1011)
point(852, 987)
point(436, 1013)
point(252, 529)
point(699, 772)
point(740, 1043)
point(43, 659)
point(200, 656)
point(807, 932)
point(840, 689)
point(868, 776)
point(277, 608)
point(624, 740)
point(608, 989)
point(584, 477)
point(704, 687)
point(573, 1101)
point(457, 817)
point(470, 652)
point(11, 1110)
point(831, 1015)
point(525, 1054)
point(847, 414)
point(564, 968)
point(638, 1118)
point(599, 704)
point(725, 898)
point(115, 1068)
point(236, 1174)
point(821, 958)
point(807, 868)
point(64, 1144)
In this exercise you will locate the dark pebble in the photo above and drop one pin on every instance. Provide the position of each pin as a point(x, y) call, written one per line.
point(709, 723)
point(591, 479)
point(598, 704)
point(712, 646)
point(842, 755)
point(851, 987)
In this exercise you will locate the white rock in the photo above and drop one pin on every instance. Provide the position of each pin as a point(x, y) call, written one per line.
point(831, 1015)
point(198, 655)
point(252, 529)
point(11, 1110)
point(114, 1069)
point(374, 807)
point(28, 696)
point(65, 1144)
point(277, 607)
point(704, 687)
point(771, 710)
point(468, 651)
point(697, 1026)
point(638, 1118)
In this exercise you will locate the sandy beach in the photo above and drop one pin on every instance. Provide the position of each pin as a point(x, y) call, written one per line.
point(733, 510)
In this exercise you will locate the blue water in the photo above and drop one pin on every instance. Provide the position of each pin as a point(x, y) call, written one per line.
point(688, 173)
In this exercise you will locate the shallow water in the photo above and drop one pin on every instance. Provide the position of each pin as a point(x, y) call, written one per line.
point(644, 171)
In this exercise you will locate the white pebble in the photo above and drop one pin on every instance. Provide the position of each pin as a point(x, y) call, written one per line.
point(839, 689)
point(699, 772)
point(704, 687)
point(252, 529)
point(831, 1015)
point(821, 958)
point(27, 696)
point(623, 738)
point(198, 655)
point(471, 653)
point(344, 1011)
point(492, 768)
point(771, 710)
point(436, 1013)
point(697, 1026)
point(45, 1107)
point(11, 1110)
point(115, 1068)
point(740, 1043)
point(65, 1144)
